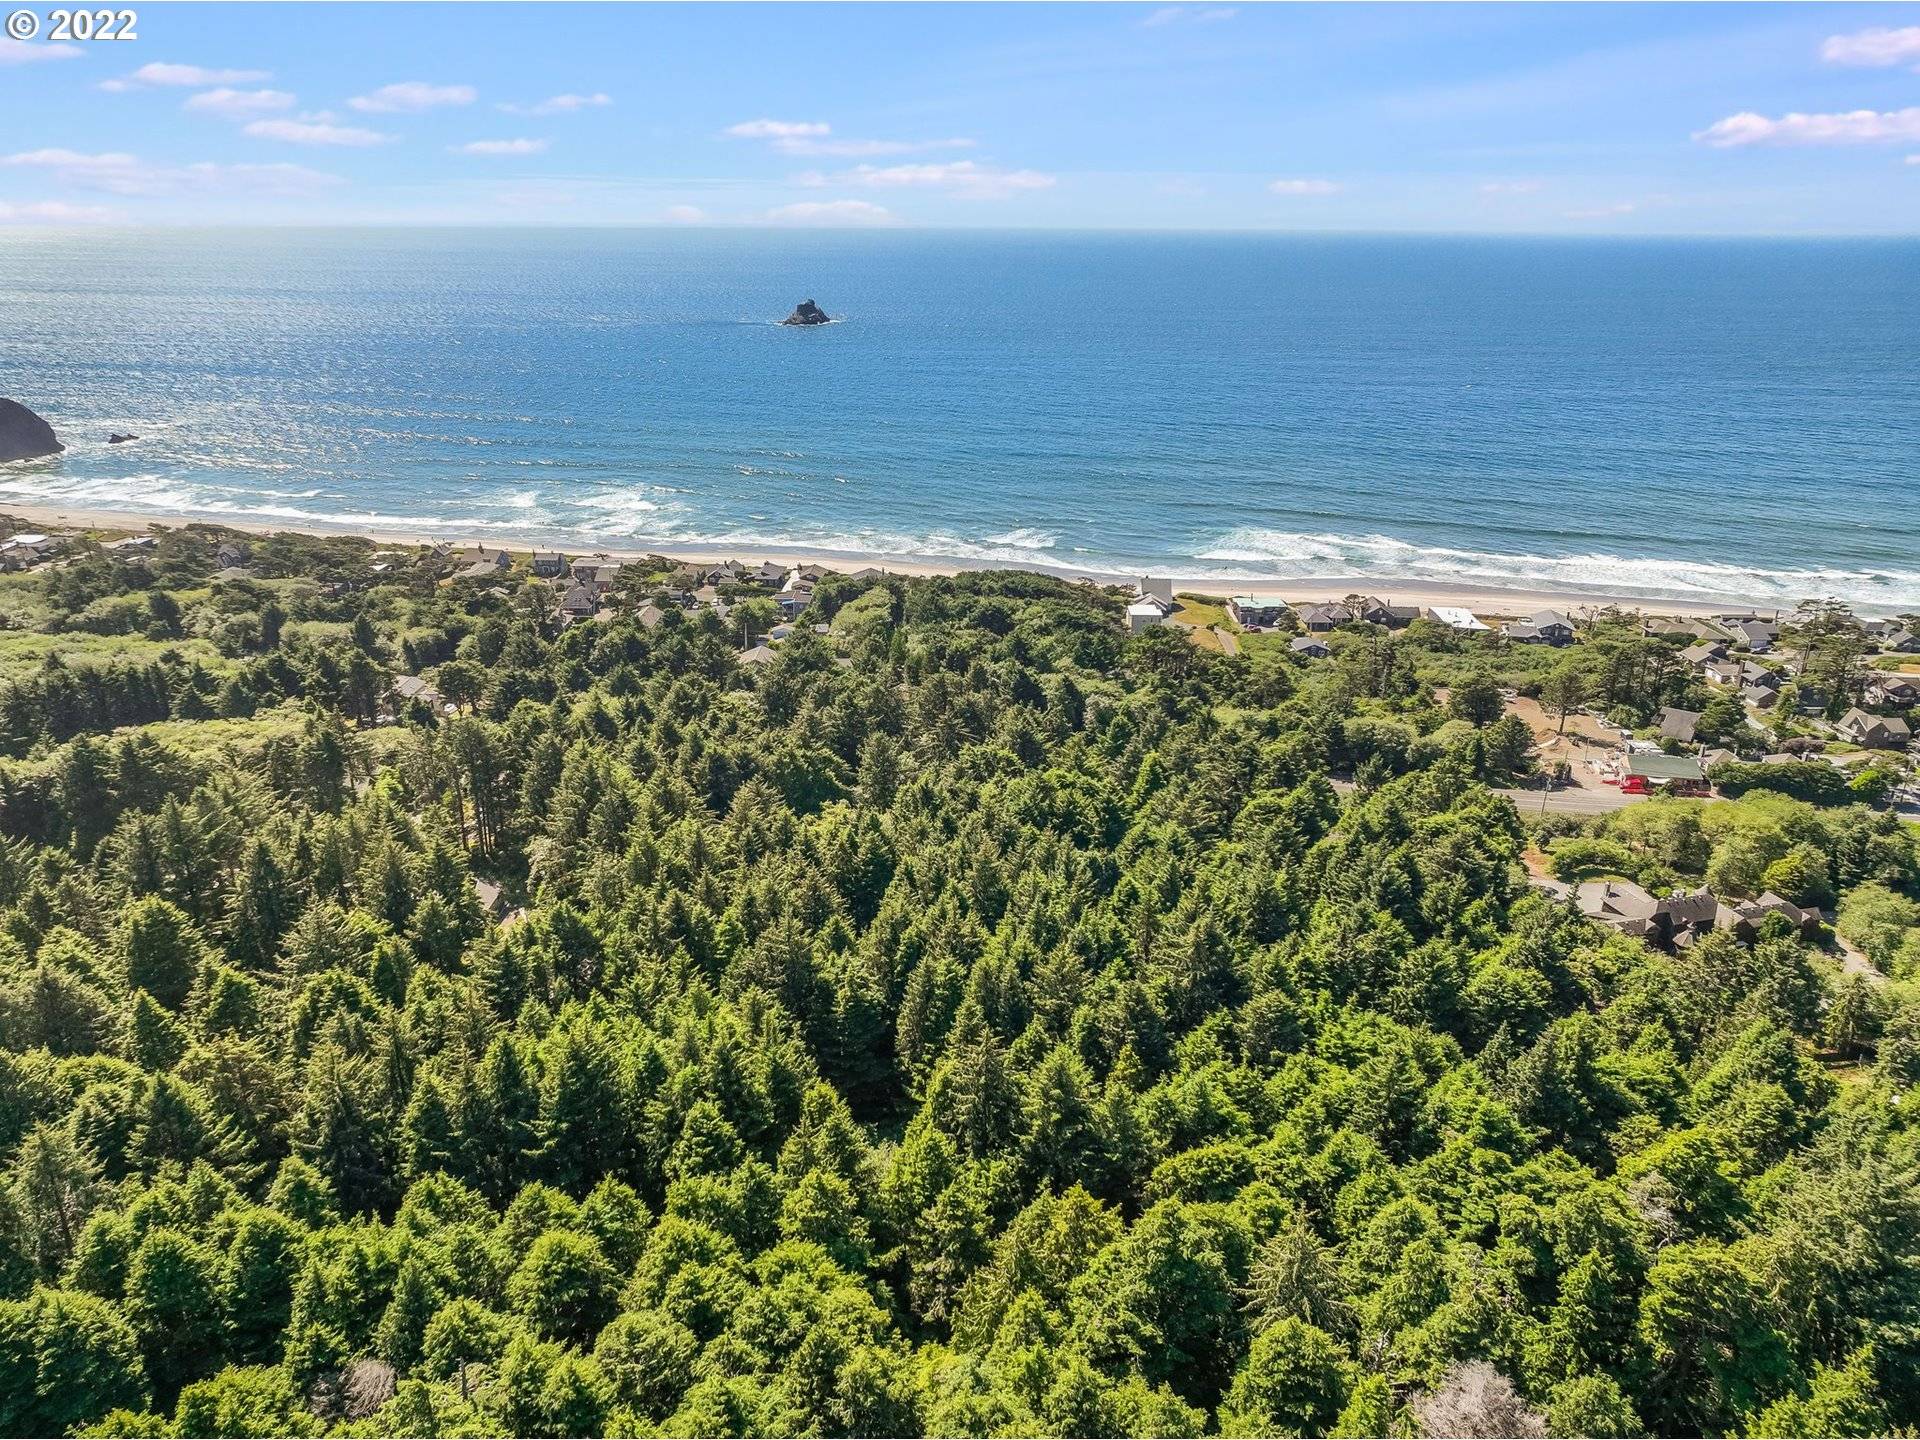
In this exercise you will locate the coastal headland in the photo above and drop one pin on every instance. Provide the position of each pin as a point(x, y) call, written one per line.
point(1492, 601)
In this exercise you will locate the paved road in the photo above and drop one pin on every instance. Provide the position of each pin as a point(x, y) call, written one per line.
point(1571, 801)
point(1229, 642)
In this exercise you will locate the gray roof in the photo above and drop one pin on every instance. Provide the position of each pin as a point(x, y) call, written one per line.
point(1677, 724)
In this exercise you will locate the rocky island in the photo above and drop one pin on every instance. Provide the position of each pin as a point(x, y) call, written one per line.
point(23, 434)
point(807, 313)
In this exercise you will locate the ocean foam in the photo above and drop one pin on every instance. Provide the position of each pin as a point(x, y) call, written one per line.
point(1289, 555)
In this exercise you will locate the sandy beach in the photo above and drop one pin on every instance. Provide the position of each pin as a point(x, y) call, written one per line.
point(1487, 601)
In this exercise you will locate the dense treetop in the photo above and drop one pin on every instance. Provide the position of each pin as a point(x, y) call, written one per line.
point(973, 1022)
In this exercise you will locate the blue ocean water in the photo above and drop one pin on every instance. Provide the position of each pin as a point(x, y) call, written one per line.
point(1678, 419)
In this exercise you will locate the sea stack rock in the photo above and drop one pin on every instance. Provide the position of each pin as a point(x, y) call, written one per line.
point(119, 439)
point(23, 434)
point(807, 313)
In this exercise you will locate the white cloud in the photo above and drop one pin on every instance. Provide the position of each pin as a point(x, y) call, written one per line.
point(1604, 212)
point(500, 147)
point(777, 129)
point(314, 132)
point(559, 105)
point(685, 215)
point(1913, 160)
point(119, 173)
point(1877, 48)
point(21, 52)
point(852, 149)
point(967, 178)
point(412, 96)
point(1188, 15)
point(161, 73)
point(237, 104)
point(1851, 127)
point(1510, 187)
point(1304, 187)
point(831, 212)
point(55, 212)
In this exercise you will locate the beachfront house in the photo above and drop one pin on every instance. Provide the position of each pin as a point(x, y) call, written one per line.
point(476, 555)
point(1147, 612)
point(549, 564)
point(1456, 618)
point(1757, 635)
point(1543, 627)
point(1149, 587)
point(1875, 732)
point(1258, 612)
point(1898, 640)
point(1319, 619)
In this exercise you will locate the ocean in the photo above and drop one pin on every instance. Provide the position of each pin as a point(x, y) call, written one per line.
point(1678, 419)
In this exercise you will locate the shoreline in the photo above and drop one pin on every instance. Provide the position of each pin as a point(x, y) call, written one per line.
point(1500, 602)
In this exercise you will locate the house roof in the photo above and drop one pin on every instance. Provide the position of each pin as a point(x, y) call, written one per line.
point(1308, 644)
point(1455, 616)
point(1652, 765)
point(757, 655)
point(1258, 602)
point(1677, 724)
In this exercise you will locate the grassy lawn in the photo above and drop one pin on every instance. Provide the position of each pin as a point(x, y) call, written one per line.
point(23, 651)
point(1200, 610)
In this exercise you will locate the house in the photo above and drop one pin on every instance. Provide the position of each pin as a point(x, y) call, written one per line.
point(1394, 617)
point(1757, 635)
point(472, 555)
point(1258, 612)
point(1147, 612)
point(1703, 653)
point(756, 655)
point(230, 553)
point(1543, 627)
point(1671, 921)
point(1745, 917)
point(411, 687)
point(1754, 673)
point(232, 574)
point(1721, 672)
point(1150, 588)
point(1809, 699)
point(1455, 618)
point(488, 894)
point(794, 598)
point(1761, 697)
point(650, 616)
point(1900, 641)
point(1310, 647)
point(549, 564)
point(779, 632)
point(1319, 619)
point(132, 542)
point(578, 603)
point(1894, 692)
point(1650, 769)
point(1677, 724)
point(1876, 732)
point(867, 574)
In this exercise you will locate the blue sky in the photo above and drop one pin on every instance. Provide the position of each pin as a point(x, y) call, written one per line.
point(1598, 118)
